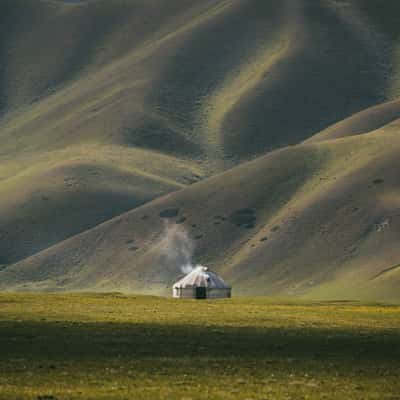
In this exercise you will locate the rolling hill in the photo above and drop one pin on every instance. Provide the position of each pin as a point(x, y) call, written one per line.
point(264, 132)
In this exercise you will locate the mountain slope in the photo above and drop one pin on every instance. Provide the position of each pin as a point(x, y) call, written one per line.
point(107, 106)
point(56, 195)
point(318, 220)
point(363, 122)
point(194, 80)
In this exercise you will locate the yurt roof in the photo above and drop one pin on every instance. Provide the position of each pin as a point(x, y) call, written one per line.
point(202, 277)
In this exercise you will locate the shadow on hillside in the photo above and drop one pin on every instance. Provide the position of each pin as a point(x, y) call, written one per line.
point(38, 341)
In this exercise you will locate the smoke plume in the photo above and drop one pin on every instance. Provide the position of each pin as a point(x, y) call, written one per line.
point(177, 248)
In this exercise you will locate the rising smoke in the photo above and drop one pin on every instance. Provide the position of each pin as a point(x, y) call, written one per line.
point(177, 248)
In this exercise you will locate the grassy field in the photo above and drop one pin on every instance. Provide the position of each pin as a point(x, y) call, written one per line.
point(86, 346)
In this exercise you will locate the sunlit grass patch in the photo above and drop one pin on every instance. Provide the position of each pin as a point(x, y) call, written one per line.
point(94, 346)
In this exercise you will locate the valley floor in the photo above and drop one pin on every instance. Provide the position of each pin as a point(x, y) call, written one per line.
point(111, 346)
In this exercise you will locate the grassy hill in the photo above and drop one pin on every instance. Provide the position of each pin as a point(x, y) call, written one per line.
point(112, 112)
point(317, 219)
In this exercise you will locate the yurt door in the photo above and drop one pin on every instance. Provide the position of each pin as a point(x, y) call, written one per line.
point(201, 293)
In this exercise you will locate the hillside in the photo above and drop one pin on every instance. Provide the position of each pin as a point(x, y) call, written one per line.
point(305, 220)
point(286, 112)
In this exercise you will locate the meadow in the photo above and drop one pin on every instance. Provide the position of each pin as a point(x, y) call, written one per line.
point(114, 346)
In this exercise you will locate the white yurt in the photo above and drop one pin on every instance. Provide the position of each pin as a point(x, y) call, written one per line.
point(201, 283)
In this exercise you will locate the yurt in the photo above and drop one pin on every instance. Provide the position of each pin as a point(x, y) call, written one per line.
point(201, 283)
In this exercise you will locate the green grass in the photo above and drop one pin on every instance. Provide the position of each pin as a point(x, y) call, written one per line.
point(80, 346)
